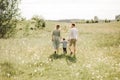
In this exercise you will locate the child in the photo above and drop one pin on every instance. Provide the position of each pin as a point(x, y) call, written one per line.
point(64, 43)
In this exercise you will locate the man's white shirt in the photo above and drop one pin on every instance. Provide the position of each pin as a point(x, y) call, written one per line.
point(73, 34)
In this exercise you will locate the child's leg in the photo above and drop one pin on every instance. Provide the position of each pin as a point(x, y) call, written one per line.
point(65, 50)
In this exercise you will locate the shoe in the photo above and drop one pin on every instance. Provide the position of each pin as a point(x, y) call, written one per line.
point(54, 52)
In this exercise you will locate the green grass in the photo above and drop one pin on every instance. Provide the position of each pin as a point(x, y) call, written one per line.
point(31, 57)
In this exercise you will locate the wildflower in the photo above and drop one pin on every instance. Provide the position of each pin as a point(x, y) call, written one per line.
point(8, 74)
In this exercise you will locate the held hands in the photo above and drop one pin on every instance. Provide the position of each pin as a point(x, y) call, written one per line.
point(68, 39)
point(52, 39)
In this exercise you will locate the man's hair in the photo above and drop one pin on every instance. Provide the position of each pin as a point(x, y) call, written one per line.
point(63, 38)
point(73, 24)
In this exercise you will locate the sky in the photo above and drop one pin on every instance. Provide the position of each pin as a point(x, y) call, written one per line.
point(70, 9)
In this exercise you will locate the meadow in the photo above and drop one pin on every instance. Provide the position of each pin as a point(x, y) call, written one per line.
point(29, 55)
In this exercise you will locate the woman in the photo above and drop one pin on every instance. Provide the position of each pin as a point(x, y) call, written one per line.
point(56, 38)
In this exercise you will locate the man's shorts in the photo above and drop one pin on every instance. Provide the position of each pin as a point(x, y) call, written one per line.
point(72, 42)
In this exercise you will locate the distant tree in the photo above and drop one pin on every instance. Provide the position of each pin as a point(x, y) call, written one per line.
point(8, 13)
point(118, 20)
point(23, 19)
point(39, 22)
point(87, 21)
point(43, 24)
point(92, 21)
point(82, 21)
point(107, 21)
point(96, 20)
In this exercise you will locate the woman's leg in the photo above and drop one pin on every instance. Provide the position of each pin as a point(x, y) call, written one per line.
point(54, 45)
point(57, 45)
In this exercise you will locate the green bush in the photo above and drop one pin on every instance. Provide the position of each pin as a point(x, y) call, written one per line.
point(8, 12)
point(96, 21)
point(87, 21)
point(26, 30)
point(39, 22)
point(118, 20)
point(107, 21)
point(92, 21)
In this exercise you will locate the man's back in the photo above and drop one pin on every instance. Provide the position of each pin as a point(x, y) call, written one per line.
point(73, 33)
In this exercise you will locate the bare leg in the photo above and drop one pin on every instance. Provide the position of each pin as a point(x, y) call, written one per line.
point(74, 49)
point(70, 48)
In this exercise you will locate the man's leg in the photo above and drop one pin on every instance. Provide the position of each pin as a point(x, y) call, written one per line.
point(74, 49)
point(70, 46)
point(74, 46)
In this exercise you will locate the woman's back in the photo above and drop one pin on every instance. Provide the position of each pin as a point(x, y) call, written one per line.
point(56, 33)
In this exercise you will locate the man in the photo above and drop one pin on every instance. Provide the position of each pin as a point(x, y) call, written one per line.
point(73, 34)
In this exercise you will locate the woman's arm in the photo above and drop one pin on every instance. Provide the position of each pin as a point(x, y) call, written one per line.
point(52, 36)
point(60, 35)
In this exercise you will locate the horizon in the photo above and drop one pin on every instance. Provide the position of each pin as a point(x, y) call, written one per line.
point(68, 9)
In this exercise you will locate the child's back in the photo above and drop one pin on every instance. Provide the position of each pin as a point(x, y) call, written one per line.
point(64, 44)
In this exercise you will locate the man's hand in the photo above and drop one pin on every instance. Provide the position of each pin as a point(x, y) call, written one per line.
point(68, 39)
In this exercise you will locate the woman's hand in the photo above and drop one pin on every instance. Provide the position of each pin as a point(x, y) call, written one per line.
point(68, 40)
point(52, 39)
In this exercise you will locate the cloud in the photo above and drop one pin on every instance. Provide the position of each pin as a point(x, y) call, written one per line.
point(61, 9)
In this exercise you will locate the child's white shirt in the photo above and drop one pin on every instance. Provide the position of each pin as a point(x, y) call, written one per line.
point(64, 43)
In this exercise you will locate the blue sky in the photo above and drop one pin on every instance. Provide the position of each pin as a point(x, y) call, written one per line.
point(68, 9)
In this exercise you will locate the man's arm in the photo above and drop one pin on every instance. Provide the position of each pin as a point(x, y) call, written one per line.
point(76, 34)
point(69, 35)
